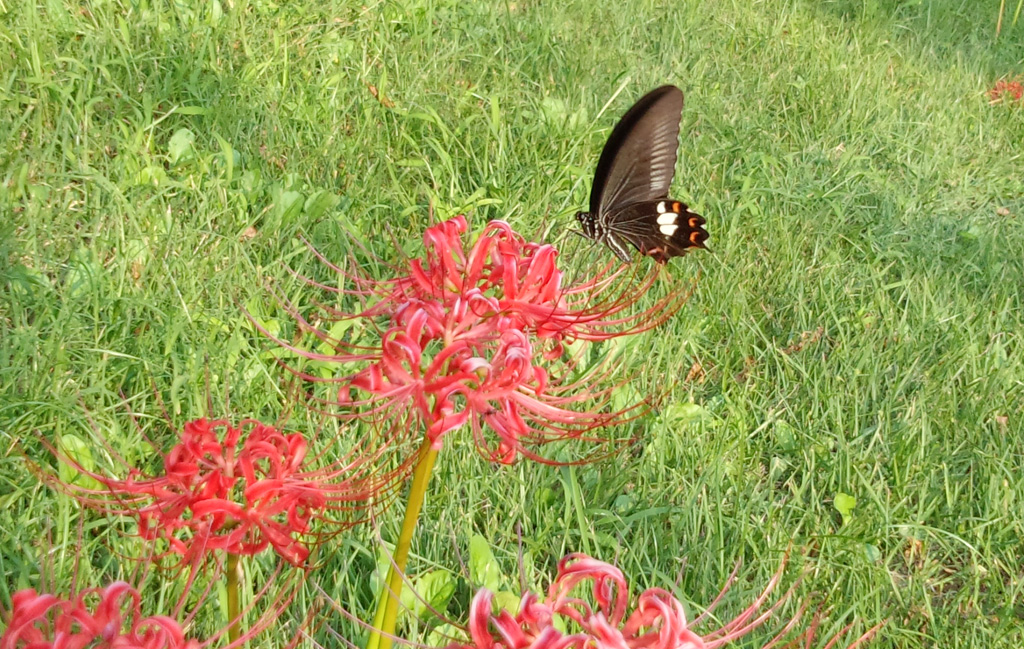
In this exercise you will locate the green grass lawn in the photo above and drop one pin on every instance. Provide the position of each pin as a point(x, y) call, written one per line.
point(857, 326)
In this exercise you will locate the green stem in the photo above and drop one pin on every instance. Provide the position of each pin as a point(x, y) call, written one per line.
point(233, 569)
point(387, 606)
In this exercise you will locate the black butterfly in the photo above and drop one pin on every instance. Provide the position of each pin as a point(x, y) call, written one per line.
point(629, 200)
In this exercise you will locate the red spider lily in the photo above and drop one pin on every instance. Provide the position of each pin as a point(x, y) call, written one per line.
point(1006, 91)
point(111, 618)
point(97, 617)
point(566, 620)
point(472, 336)
point(238, 489)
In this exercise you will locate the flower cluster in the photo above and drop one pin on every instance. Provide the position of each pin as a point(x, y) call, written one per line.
point(472, 336)
point(567, 620)
point(1005, 90)
point(234, 488)
point(97, 617)
point(465, 336)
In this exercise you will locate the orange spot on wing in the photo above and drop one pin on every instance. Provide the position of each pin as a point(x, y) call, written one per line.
point(675, 207)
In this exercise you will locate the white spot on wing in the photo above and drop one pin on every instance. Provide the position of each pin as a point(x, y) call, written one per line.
point(661, 209)
point(667, 218)
point(668, 229)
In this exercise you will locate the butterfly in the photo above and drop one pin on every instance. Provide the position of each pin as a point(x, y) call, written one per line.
point(629, 201)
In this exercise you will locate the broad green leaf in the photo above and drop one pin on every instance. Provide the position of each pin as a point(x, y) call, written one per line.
point(252, 183)
point(134, 257)
point(216, 13)
point(151, 175)
point(380, 574)
point(872, 553)
point(445, 635)
point(785, 435)
point(180, 146)
point(229, 156)
point(222, 598)
point(435, 589)
point(508, 601)
point(83, 277)
point(289, 206)
point(80, 453)
point(336, 333)
point(684, 414)
point(319, 203)
point(554, 111)
point(623, 504)
point(626, 396)
point(483, 567)
point(844, 504)
point(237, 344)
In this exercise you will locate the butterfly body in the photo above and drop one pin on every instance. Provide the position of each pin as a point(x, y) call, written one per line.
point(629, 201)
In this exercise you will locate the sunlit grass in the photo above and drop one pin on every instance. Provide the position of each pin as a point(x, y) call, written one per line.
point(857, 329)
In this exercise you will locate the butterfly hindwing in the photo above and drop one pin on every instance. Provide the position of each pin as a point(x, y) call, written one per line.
point(660, 229)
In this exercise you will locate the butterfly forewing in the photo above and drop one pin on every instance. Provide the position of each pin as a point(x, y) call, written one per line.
point(639, 159)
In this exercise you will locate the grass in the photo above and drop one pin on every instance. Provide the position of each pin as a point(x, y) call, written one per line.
point(858, 324)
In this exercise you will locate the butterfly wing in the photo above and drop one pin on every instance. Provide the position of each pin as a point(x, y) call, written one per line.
point(659, 229)
point(639, 159)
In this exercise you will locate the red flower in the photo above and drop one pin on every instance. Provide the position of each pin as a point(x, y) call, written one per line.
point(1006, 91)
point(98, 617)
point(237, 489)
point(476, 337)
point(567, 620)
point(111, 618)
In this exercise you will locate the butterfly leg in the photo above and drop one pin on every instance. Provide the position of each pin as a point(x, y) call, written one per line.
point(619, 245)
